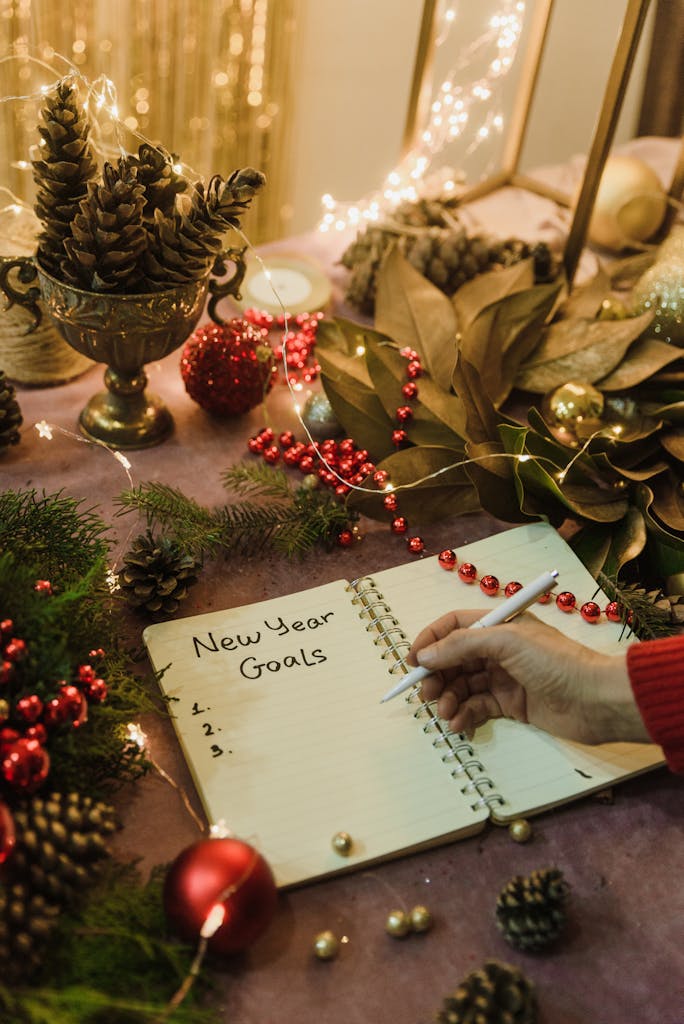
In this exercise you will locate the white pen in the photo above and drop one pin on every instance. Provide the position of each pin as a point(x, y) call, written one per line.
point(513, 605)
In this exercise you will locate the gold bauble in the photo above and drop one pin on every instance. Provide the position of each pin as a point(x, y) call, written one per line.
point(398, 924)
point(342, 843)
point(520, 830)
point(568, 407)
point(420, 919)
point(326, 945)
point(661, 289)
point(630, 204)
point(672, 247)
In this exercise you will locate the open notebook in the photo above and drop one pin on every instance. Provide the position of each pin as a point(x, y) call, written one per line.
point(277, 707)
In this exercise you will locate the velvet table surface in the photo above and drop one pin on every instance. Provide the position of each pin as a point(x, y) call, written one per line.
point(622, 957)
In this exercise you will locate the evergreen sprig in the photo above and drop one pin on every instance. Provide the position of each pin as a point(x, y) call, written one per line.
point(301, 519)
point(648, 614)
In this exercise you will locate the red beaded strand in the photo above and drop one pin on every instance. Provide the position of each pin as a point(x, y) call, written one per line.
point(298, 342)
point(565, 601)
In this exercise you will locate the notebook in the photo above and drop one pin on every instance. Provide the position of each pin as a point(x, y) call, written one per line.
point(277, 708)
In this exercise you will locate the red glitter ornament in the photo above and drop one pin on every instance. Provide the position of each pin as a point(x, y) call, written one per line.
point(566, 601)
point(467, 572)
point(225, 872)
point(399, 524)
point(415, 545)
point(227, 370)
point(512, 588)
point(614, 611)
point(447, 559)
point(590, 612)
point(489, 585)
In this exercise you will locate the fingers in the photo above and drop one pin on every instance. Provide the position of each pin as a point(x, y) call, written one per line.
point(473, 712)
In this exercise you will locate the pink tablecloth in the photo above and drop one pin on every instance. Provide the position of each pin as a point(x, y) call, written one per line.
point(622, 959)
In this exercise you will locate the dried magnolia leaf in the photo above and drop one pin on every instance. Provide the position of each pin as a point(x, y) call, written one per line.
point(585, 350)
point(645, 357)
point(414, 312)
point(584, 302)
point(361, 413)
point(673, 443)
point(481, 417)
point(473, 297)
point(668, 502)
point(337, 344)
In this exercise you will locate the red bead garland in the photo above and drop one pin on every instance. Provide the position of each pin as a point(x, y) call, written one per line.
point(298, 343)
point(565, 601)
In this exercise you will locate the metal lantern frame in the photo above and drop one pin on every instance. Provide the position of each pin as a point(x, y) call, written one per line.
point(604, 132)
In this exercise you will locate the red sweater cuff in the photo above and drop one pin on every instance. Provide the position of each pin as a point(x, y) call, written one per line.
point(656, 672)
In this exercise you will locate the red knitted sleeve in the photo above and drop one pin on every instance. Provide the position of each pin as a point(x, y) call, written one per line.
point(656, 672)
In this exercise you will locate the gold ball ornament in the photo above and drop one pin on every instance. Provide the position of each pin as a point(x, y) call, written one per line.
point(420, 919)
point(342, 843)
point(398, 924)
point(520, 830)
point(569, 408)
point(630, 204)
point(661, 289)
point(326, 945)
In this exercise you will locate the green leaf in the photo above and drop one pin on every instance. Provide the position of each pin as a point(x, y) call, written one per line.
point(504, 334)
point(646, 357)
point(591, 544)
point(627, 541)
point(439, 417)
point(484, 290)
point(361, 413)
point(578, 349)
point(450, 493)
point(337, 345)
point(413, 312)
point(494, 479)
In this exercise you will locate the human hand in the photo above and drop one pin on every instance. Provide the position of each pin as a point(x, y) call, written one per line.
point(527, 671)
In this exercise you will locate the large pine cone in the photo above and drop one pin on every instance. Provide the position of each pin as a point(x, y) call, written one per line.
point(63, 173)
point(530, 912)
point(181, 248)
point(154, 170)
point(60, 840)
point(156, 575)
point(10, 414)
point(496, 994)
point(26, 921)
point(108, 237)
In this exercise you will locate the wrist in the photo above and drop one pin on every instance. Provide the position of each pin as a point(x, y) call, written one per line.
point(612, 713)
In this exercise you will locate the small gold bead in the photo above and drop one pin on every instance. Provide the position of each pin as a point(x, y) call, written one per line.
point(398, 924)
point(520, 830)
point(342, 843)
point(326, 945)
point(421, 919)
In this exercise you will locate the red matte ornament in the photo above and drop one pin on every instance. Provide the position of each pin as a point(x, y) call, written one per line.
point(489, 585)
point(566, 601)
point(447, 559)
point(227, 370)
point(225, 871)
point(467, 572)
point(590, 612)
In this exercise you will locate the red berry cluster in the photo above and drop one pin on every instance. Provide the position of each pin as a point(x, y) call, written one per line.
point(25, 725)
point(565, 601)
point(297, 344)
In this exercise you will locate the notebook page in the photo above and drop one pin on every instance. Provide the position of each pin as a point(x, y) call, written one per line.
point(277, 709)
point(529, 768)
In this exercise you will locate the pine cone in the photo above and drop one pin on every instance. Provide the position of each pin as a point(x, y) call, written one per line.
point(108, 237)
point(60, 840)
point(62, 175)
point(496, 994)
point(156, 575)
point(155, 172)
point(26, 921)
point(181, 248)
point(10, 414)
point(530, 911)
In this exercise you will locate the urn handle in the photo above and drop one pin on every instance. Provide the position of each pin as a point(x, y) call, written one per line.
point(21, 291)
point(226, 285)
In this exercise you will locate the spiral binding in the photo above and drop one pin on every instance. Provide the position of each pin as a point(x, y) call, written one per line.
point(459, 752)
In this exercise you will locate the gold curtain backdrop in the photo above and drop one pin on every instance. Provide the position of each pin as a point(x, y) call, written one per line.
point(208, 79)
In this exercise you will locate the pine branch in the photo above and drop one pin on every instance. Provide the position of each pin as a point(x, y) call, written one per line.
point(257, 478)
point(196, 528)
point(647, 614)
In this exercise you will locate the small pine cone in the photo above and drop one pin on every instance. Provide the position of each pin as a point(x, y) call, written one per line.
point(60, 840)
point(26, 921)
point(156, 575)
point(108, 237)
point(530, 911)
point(226, 201)
point(62, 174)
point(154, 170)
point(496, 994)
point(10, 414)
